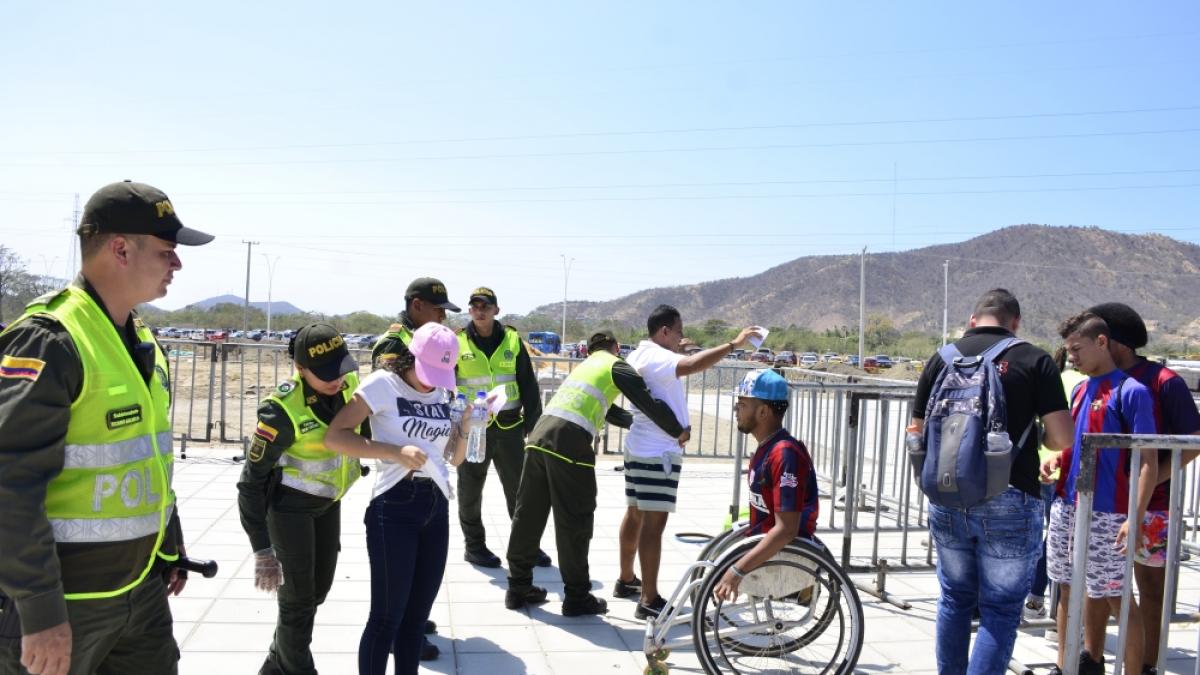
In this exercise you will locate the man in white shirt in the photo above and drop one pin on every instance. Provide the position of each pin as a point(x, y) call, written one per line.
point(653, 459)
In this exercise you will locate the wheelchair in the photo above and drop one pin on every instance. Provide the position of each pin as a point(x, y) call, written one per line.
point(797, 613)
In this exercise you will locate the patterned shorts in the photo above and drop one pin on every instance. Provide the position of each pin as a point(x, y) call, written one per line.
point(651, 483)
point(1105, 564)
point(1153, 551)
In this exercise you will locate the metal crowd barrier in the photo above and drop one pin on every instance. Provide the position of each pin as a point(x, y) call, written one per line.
point(1085, 489)
point(853, 428)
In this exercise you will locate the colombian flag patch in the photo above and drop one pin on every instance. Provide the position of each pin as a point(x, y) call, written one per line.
point(266, 432)
point(19, 368)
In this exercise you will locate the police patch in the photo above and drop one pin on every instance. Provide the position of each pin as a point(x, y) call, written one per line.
point(123, 417)
point(284, 388)
point(19, 368)
point(258, 447)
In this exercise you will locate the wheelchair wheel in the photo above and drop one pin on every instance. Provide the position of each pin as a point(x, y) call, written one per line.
point(713, 550)
point(798, 613)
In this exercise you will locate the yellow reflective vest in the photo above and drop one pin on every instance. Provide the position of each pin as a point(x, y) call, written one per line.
point(476, 372)
point(307, 465)
point(585, 396)
point(115, 485)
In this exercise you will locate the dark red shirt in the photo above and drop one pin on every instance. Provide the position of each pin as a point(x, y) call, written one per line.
point(782, 480)
point(1174, 413)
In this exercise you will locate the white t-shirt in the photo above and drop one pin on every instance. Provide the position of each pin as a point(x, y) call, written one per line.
point(656, 365)
point(402, 415)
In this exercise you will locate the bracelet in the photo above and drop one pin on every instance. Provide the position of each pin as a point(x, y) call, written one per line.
point(737, 572)
point(732, 347)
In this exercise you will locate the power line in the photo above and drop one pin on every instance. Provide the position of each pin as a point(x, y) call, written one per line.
point(625, 133)
point(636, 151)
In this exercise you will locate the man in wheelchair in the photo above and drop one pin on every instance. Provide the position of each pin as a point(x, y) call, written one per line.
point(783, 485)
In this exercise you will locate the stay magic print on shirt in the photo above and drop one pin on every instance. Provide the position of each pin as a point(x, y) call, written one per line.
point(426, 421)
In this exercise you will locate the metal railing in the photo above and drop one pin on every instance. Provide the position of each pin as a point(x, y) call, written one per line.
point(1085, 489)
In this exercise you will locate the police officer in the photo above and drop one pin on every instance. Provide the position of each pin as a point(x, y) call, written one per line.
point(491, 354)
point(559, 473)
point(291, 487)
point(86, 455)
point(424, 301)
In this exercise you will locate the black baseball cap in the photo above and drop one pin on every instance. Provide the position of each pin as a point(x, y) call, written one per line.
point(136, 208)
point(600, 340)
point(430, 290)
point(485, 294)
point(321, 348)
point(1125, 325)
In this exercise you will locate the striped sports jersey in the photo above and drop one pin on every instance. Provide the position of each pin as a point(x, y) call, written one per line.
point(1114, 403)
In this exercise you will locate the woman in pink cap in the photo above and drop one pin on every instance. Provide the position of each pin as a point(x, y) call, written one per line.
point(408, 403)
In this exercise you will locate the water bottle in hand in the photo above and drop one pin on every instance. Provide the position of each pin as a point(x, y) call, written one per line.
point(476, 446)
point(458, 406)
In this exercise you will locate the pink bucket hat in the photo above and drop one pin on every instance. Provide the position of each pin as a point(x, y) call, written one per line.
point(435, 348)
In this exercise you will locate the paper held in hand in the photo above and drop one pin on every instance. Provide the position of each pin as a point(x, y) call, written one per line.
point(759, 336)
point(496, 399)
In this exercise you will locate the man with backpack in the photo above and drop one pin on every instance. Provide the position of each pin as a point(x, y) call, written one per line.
point(988, 530)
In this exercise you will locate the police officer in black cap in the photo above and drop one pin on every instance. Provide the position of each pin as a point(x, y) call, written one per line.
point(289, 495)
point(491, 355)
point(84, 401)
point(425, 301)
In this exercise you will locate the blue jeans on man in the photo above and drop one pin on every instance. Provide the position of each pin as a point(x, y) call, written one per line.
point(986, 559)
point(1040, 579)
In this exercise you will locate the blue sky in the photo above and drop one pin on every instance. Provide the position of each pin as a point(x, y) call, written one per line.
point(655, 143)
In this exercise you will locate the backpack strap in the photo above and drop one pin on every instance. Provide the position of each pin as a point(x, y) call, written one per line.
point(997, 350)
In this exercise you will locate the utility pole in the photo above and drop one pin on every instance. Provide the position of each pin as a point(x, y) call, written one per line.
point(566, 273)
point(945, 299)
point(74, 239)
point(862, 304)
point(270, 282)
point(246, 305)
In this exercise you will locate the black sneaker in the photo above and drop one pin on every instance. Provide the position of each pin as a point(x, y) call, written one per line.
point(1090, 666)
point(429, 651)
point(430, 627)
point(645, 611)
point(1149, 670)
point(482, 558)
point(1054, 670)
point(588, 604)
point(534, 595)
point(543, 559)
point(625, 589)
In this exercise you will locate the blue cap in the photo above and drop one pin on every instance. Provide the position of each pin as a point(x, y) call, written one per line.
point(765, 385)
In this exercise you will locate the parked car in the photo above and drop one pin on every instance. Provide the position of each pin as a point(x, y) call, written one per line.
point(763, 355)
point(624, 350)
point(808, 359)
point(218, 335)
point(869, 363)
point(255, 335)
point(883, 361)
point(738, 354)
point(786, 359)
point(852, 360)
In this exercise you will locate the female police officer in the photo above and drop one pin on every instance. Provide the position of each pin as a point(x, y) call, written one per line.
point(290, 489)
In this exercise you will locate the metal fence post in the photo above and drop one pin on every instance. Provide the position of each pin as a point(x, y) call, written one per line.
point(854, 434)
point(1085, 486)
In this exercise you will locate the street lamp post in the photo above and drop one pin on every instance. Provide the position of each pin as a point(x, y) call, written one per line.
point(566, 274)
point(862, 303)
point(270, 282)
point(945, 299)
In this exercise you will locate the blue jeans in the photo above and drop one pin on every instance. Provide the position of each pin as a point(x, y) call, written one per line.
point(986, 558)
point(1040, 579)
point(408, 532)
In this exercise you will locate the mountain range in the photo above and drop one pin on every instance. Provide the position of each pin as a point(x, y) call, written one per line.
point(1053, 271)
point(278, 307)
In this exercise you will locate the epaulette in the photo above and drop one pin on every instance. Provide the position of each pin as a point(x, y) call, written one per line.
point(284, 389)
point(395, 328)
point(45, 299)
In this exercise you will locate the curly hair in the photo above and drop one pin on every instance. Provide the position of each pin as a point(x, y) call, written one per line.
point(398, 363)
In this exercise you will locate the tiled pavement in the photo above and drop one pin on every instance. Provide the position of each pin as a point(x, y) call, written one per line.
point(224, 625)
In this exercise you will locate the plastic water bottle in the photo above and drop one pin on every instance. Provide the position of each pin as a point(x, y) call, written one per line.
point(476, 446)
point(458, 406)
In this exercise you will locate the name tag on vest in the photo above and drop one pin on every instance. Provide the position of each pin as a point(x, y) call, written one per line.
point(309, 425)
point(123, 417)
